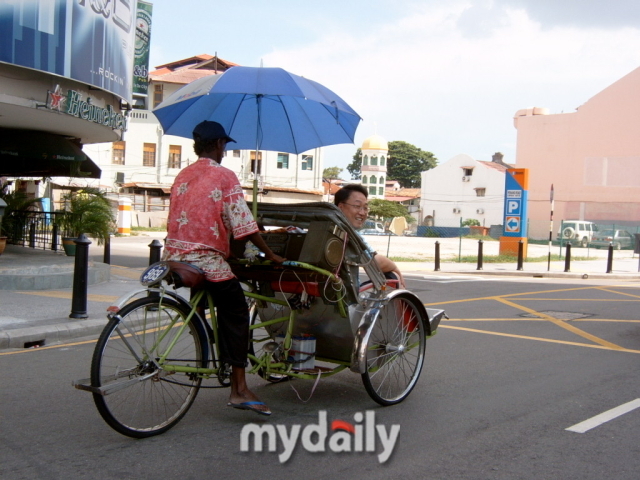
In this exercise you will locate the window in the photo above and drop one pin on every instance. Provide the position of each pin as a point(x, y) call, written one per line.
point(381, 182)
point(380, 190)
point(364, 179)
point(374, 160)
point(149, 155)
point(372, 179)
point(307, 162)
point(158, 94)
point(372, 190)
point(283, 160)
point(117, 153)
point(253, 162)
point(236, 153)
point(382, 160)
point(365, 160)
point(468, 171)
point(480, 192)
point(175, 156)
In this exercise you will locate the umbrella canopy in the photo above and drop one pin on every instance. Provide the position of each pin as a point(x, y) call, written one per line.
point(262, 109)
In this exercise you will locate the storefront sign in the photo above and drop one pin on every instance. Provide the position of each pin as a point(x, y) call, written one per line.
point(73, 104)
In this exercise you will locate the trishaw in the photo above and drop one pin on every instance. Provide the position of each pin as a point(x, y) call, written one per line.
point(311, 317)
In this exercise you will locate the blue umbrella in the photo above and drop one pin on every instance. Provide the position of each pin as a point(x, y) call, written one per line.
point(262, 109)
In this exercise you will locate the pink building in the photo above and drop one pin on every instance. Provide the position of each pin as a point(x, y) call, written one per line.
point(591, 156)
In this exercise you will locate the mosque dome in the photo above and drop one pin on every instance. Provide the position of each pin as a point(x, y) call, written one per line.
point(375, 142)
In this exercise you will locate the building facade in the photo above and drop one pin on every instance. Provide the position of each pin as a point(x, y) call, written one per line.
point(590, 156)
point(463, 188)
point(375, 151)
point(61, 87)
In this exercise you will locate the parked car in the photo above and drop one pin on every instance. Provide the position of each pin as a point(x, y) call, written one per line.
point(578, 232)
point(373, 225)
point(619, 238)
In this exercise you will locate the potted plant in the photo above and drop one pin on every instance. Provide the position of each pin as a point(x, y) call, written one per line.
point(86, 211)
point(12, 225)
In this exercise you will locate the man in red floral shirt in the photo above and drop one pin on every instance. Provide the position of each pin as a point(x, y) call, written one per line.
point(207, 207)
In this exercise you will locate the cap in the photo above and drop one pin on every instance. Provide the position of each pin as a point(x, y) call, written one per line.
point(209, 130)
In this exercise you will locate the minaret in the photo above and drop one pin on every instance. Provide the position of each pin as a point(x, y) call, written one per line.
point(375, 152)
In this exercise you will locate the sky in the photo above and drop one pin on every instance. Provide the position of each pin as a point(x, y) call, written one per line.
point(444, 75)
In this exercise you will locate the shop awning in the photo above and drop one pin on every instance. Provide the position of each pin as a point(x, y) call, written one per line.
point(41, 154)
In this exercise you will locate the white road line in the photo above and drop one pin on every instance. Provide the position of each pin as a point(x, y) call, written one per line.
point(604, 417)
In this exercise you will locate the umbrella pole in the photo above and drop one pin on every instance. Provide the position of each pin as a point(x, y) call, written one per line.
point(254, 202)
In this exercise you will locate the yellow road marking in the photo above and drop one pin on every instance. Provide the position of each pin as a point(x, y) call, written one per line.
point(58, 294)
point(619, 293)
point(520, 319)
point(30, 350)
point(524, 337)
point(562, 324)
point(578, 299)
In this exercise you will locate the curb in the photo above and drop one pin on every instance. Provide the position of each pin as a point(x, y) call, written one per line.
point(50, 278)
point(575, 275)
point(51, 334)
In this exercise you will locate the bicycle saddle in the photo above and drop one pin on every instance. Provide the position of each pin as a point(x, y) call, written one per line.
point(179, 274)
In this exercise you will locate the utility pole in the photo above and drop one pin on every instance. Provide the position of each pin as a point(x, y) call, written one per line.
point(550, 231)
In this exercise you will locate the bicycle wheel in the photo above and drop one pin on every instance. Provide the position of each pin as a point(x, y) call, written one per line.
point(142, 397)
point(395, 350)
point(261, 342)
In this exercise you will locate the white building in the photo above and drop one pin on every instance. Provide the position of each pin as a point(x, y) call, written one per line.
point(375, 151)
point(463, 188)
point(146, 161)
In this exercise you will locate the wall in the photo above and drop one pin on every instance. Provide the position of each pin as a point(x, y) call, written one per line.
point(443, 190)
point(591, 156)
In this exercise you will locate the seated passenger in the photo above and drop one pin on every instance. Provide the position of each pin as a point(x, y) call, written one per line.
point(352, 200)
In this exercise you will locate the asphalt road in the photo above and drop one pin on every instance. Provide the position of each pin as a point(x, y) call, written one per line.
point(515, 366)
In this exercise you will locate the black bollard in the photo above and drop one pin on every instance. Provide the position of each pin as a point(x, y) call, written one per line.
point(32, 235)
point(155, 249)
point(567, 258)
point(437, 269)
point(480, 259)
point(520, 255)
point(106, 256)
point(54, 238)
point(610, 259)
point(80, 271)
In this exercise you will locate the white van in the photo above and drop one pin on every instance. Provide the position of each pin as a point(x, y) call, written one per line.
point(578, 232)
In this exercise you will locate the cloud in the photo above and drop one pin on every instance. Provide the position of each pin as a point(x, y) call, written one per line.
point(448, 78)
point(579, 13)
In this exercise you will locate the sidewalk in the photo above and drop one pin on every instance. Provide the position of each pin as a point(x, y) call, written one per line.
point(41, 316)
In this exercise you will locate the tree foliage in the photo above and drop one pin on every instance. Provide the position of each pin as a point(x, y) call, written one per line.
point(331, 173)
point(406, 162)
point(471, 222)
point(386, 209)
point(354, 167)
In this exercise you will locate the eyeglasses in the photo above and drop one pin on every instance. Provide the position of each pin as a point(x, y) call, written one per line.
point(361, 208)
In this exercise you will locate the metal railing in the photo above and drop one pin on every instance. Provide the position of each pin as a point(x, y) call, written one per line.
point(36, 229)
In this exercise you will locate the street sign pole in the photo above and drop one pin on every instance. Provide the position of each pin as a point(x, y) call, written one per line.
point(550, 232)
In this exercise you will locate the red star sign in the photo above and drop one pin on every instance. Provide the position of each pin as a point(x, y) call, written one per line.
point(56, 99)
